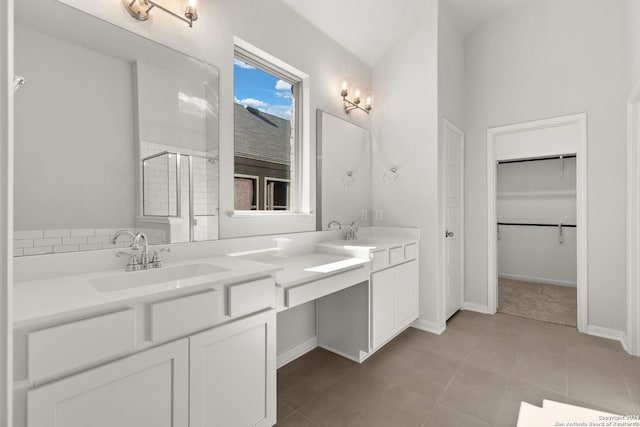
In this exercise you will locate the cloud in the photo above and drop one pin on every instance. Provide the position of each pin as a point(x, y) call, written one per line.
point(282, 111)
point(252, 102)
point(285, 95)
point(282, 85)
point(241, 64)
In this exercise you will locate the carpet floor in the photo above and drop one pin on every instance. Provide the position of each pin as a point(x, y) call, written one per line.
point(549, 303)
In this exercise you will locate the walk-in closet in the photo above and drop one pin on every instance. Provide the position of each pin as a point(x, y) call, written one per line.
point(536, 210)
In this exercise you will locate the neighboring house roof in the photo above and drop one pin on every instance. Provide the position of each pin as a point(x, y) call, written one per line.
point(261, 136)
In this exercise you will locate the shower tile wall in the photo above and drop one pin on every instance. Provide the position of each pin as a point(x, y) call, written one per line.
point(163, 200)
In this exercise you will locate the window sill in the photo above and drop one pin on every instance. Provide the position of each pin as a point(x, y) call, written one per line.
point(262, 214)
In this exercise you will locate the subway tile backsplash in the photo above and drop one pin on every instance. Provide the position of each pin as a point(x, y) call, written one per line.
point(41, 242)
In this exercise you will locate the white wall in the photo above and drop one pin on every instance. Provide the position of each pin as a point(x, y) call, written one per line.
point(57, 164)
point(405, 135)
point(163, 116)
point(633, 40)
point(543, 61)
point(450, 68)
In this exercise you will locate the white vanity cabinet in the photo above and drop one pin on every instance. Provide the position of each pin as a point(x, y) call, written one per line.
point(233, 374)
point(394, 301)
point(195, 357)
point(149, 388)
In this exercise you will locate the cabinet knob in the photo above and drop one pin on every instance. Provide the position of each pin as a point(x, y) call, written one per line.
point(448, 233)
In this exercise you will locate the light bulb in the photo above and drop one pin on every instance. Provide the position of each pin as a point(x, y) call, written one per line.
point(344, 88)
point(192, 3)
point(368, 101)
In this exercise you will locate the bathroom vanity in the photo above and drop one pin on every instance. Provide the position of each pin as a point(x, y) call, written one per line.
point(148, 354)
point(196, 345)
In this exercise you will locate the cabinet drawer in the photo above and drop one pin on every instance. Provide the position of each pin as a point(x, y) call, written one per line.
point(77, 344)
point(379, 259)
point(249, 297)
point(411, 251)
point(181, 316)
point(306, 292)
point(396, 255)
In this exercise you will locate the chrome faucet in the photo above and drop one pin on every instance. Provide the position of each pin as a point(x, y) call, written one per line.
point(136, 263)
point(334, 222)
point(144, 258)
point(120, 233)
point(352, 232)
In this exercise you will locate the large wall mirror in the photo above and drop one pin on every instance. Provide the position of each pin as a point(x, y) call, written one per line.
point(112, 131)
point(343, 172)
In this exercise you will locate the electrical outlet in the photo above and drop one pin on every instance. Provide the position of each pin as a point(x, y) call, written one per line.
point(364, 215)
point(378, 214)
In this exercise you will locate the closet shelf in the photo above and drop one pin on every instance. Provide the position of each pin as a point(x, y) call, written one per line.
point(533, 224)
point(537, 194)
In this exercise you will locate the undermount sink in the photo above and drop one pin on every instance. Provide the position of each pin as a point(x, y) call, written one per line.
point(136, 279)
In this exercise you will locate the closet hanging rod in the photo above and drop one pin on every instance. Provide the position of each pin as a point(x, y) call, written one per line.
point(565, 156)
point(535, 225)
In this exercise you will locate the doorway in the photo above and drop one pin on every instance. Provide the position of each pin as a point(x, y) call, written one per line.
point(530, 140)
point(536, 232)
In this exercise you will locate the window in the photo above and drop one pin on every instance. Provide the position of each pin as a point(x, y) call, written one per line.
point(246, 192)
point(276, 194)
point(266, 139)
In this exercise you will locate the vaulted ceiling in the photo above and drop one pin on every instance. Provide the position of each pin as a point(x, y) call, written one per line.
point(368, 28)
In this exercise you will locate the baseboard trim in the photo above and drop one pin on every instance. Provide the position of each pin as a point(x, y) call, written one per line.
point(478, 308)
point(429, 326)
point(612, 334)
point(542, 280)
point(297, 351)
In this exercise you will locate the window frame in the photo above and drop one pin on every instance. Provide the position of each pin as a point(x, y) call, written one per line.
point(266, 189)
point(297, 80)
point(255, 178)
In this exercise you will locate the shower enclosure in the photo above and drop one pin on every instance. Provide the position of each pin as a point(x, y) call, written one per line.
point(182, 188)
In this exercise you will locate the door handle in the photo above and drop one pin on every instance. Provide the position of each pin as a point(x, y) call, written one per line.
point(448, 233)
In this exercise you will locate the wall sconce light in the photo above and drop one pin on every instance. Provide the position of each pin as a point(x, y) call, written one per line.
point(354, 104)
point(141, 10)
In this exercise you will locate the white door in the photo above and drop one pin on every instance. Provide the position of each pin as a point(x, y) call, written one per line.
point(453, 193)
point(233, 374)
point(148, 389)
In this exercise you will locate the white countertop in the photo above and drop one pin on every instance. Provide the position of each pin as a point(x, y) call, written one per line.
point(39, 299)
point(49, 297)
point(305, 267)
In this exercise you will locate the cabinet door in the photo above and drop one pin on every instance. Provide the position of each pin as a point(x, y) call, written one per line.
point(406, 298)
point(382, 306)
point(148, 389)
point(233, 374)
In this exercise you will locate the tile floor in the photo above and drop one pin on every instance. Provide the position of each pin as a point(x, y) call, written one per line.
point(474, 374)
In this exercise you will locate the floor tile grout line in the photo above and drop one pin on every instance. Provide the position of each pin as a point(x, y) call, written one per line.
point(324, 389)
point(626, 383)
point(445, 390)
point(293, 411)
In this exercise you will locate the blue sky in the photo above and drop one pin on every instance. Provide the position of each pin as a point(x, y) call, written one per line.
point(258, 89)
